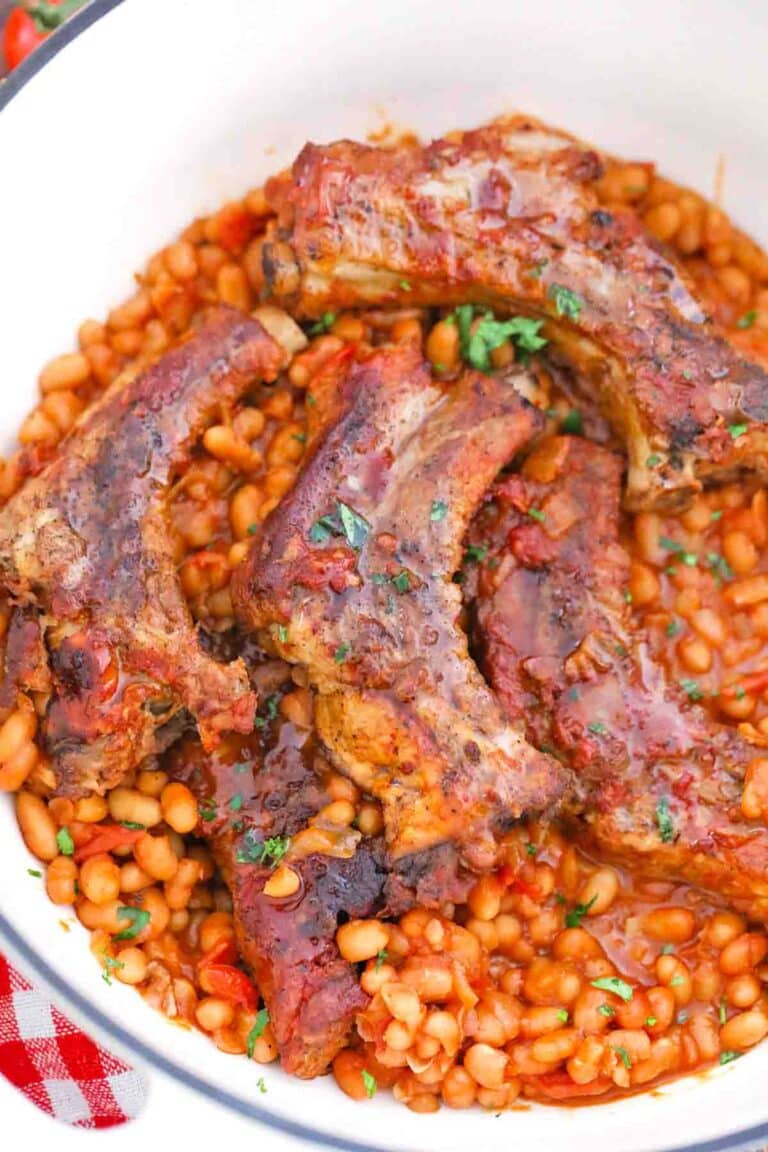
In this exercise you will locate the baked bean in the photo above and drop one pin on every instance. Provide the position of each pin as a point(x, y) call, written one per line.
point(432, 979)
point(100, 879)
point(213, 1012)
point(744, 1031)
point(576, 944)
point(61, 880)
point(151, 782)
point(743, 991)
point(458, 1089)
point(403, 1003)
point(743, 953)
point(673, 925)
point(370, 819)
point(128, 806)
point(644, 584)
point(556, 1046)
point(90, 809)
point(722, 928)
point(178, 889)
point(153, 902)
point(133, 878)
point(132, 966)
point(707, 981)
point(599, 891)
point(635, 1012)
point(155, 856)
point(71, 370)
point(216, 927)
point(754, 797)
point(102, 916)
point(37, 826)
point(673, 973)
point(131, 314)
point(18, 753)
point(179, 807)
point(283, 882)
point(485, 1065)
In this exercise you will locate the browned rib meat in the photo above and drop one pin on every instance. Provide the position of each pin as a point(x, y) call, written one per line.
point(352, 579)
point(270, 785)
point(87, 560)
point(659, 782)
point(506, 216)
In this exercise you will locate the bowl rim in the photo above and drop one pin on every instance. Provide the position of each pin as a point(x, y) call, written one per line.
point(35, 964)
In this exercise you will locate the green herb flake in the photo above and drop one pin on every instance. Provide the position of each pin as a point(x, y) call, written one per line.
point(653, 461)
point(572, 423)
point(627, 596)
point(716, 515)
point(737, 430)
point(381, 956)
point(379, 578)
point(490, 334)
point(133, 825)
point(269, 851)
point(137, 918)
point(574, 918)
point(566, 302)
point(692, 689)
point(262, 1019)
point(261, 1085)
point(667, 950)
point(208, 810)
point(252, 529)
point(475, 553)
point(651, 1021)
point(326, 321)
point(606, 1010)
point(300, 436)
point(747, 320)
point(34, 872)
point(623, 1056)
point(282, 633)
point(110, 965)
point(664, 820)
point(354, 527)
point(64, 842)
point(597, 727)
point(438, 510)
point(323, 529)
point(613, 984)
point(729, 1057)
point(538, 268)
point(405, 285)
point(370, 1083)
point(537, 514)
point(676, 981)
point(402, 582)
point(531, 850)
point(236, 802)
point(341, 653)
point(562, 1016)
point(681, 1017)
point(723, 1011)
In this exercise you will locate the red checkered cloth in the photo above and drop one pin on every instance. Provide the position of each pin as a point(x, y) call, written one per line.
point(57, 1066)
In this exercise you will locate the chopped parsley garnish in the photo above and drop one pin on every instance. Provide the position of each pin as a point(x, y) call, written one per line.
point(490, 333)
point(716, 515)
point(613, 984)
point(270, 851)
point(651, 1021)
point(676, 981)
point(64, 842)
point(381, 956)
point(262, 1019)
point(243, 766)
point(623, 1056)
point(692, 689)
point(405, 285)
point(606, 1010)
point(354, 527)
point(326, 321)
point(133, 825)
point(379, 578)
point(270, 711)
point(370, 1083)
point(627, 596)
point(574, 918)
point(138, 919)
point(737, 430)
point(664, 820)
point(34, 872)
point(531, 849)
point(261, 1085)
point(566, 303)
point(438, 510)
point(719, 566)
point(597, 727)
point(739, 692)
point(341, 653)
point(300, 436)
point(537, 514)
point(729, 1057)
point(747, 320)
point(252, 529)
point(110, 965)
point(402, 582)
point(236, 802)
point(722, 1012)
point(653, 461)
point(537, 269)
point(672, 628)
point(208, 810)
point(681, 1017)
point(282, 633)
point(667, 949)
point(562, 1016)
point(322, 529)
point(572, 423)
point(475, 553)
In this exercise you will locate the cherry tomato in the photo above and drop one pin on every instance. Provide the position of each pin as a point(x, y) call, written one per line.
point(20, 37)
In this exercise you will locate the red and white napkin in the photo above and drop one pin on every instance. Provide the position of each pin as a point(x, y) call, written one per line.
point(58, 1067)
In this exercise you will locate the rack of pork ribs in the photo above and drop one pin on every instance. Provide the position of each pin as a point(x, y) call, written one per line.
point(349, 583)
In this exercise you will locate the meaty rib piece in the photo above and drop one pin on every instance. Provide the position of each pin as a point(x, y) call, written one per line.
point(659, 781)
point(266, 786)
point(352, 577)
point(505, 216)
point(87, 560)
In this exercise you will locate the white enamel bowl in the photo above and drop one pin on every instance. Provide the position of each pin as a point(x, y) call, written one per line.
point(146, 114)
